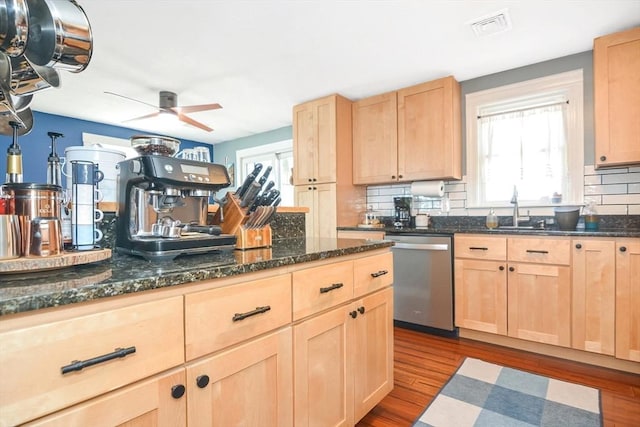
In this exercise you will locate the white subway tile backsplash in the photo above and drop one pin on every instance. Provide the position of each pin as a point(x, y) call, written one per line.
point(614, 191)
point(592, 180)
point(621, 178)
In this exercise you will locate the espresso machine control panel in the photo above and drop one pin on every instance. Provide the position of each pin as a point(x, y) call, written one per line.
point(180, 172)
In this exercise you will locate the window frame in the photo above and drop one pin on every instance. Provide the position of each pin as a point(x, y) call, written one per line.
point(572, 84)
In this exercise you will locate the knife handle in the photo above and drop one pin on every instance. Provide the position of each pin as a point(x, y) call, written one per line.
point(250, 195)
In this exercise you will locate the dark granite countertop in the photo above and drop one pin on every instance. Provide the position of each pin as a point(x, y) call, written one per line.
point(124, 274)
point(450, 230)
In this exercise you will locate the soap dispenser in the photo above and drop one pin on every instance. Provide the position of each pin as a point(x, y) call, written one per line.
point(492, 219)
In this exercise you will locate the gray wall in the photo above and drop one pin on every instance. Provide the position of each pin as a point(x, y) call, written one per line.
point(226, 151)
point(582, 60)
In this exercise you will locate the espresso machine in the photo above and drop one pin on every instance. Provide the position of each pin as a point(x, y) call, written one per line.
point(162, 207)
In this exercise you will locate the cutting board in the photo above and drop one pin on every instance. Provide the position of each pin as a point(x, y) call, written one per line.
point(66, 259)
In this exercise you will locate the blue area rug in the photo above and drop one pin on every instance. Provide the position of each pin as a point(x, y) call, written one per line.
point(483, 394)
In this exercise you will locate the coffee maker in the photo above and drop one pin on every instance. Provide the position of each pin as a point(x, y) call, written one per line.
point(162, 207)
point(402, 206)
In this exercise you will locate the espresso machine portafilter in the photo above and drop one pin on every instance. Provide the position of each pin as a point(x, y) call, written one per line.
point(156, 192)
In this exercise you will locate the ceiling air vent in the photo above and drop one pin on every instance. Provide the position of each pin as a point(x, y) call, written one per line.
point(492, 24)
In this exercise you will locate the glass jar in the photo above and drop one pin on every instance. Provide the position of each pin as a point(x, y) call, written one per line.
point(492, 219)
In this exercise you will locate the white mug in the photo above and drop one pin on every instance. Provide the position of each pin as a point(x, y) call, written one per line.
point(188, 154)
point(84, 237)
point(85, 194)
point(202, 154)
point(85, 214)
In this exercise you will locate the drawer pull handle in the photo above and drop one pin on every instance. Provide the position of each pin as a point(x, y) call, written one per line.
point(331, 288)
point(379, 273)
point(533, 251)
point(478, 248)
point(78, 365)
point(259, 310)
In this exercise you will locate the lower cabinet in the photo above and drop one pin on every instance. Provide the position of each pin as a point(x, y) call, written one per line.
point(343, 361)
point(593, 299)
point(628, 299)
point(159, 401)
point(249, 385)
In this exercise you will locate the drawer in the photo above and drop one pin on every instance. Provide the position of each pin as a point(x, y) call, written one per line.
point(480, 247)
point(318, 288)
point(372, 273)
point(540, 250)
point(31, 359)
point(221, 317)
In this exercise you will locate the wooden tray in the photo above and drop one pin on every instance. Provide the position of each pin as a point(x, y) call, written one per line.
point(66, 259)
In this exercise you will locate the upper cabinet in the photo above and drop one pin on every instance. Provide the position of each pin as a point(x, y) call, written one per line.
point(320, 129)
point(616, 69)
point(409, 135)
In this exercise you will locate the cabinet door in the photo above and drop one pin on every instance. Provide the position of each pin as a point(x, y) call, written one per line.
point(539, 303)
point(304, 143)
point(375, 139)
point(304, 196)
point(314, 141)
point(322, 370)
point(373, 351)
point(481, 295)
point(628, 299)
point(325, 209)
point(155, 402)
point(593, 296)
point(249, 385)
point(616, 61)
point(429, 132)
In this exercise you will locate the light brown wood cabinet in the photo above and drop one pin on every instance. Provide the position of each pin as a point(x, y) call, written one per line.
point(616, 69)
point(212, 353)
point(343, 352)
point(247, 385)
point(418, 138)
point(481, 283)
point(520, 286)
point(593, 295)
point(366, 235)
point(628, 299)
point(322, 175)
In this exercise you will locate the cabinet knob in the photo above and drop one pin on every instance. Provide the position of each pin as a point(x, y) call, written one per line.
point(353, 314)
point(578, 246)
point(309, 188)
point(310, 180)
point(623, 248)
point(177, 391)
point(202, 381)
point(501, 268)
point(603, 158)
point(393, 177)
point(361, 310)
point(512, 269)
point(399, 176)
point(314, 180)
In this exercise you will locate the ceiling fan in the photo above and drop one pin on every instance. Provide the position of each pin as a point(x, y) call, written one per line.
point(168, 104)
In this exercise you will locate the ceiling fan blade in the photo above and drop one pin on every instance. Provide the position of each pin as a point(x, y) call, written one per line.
point(132, 99)
point(196, 108)
point(189, 120)
point(148, 116)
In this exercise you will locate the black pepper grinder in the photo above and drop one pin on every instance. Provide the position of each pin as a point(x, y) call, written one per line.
point(54, 175)
point(14, 156)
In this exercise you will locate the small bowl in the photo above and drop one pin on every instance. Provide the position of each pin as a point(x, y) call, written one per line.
point(567, 217)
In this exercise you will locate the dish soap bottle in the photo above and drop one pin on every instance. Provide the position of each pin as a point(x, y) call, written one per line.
point(492, 219)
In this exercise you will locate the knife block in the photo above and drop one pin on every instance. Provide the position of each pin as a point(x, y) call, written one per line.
point(234, 219)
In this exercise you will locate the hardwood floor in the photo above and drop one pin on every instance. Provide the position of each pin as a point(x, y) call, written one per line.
point(423, 364)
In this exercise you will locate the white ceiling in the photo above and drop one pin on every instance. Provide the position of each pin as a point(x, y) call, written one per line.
point(258, 58)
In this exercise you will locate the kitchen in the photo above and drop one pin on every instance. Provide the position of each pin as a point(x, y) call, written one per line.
point(376, 194)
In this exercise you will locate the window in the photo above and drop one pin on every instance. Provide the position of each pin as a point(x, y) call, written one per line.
point(529, 135)
point(279, 156)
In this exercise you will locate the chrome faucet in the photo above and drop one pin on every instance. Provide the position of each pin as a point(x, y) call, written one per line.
point(517, 219)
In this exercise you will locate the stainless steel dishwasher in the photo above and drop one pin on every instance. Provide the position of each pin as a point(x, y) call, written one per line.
point(423, 281)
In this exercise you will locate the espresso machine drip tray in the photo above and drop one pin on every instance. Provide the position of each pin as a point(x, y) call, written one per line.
point(154, 248)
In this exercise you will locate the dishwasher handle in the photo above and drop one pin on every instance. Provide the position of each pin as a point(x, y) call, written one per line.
point(422, 246)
